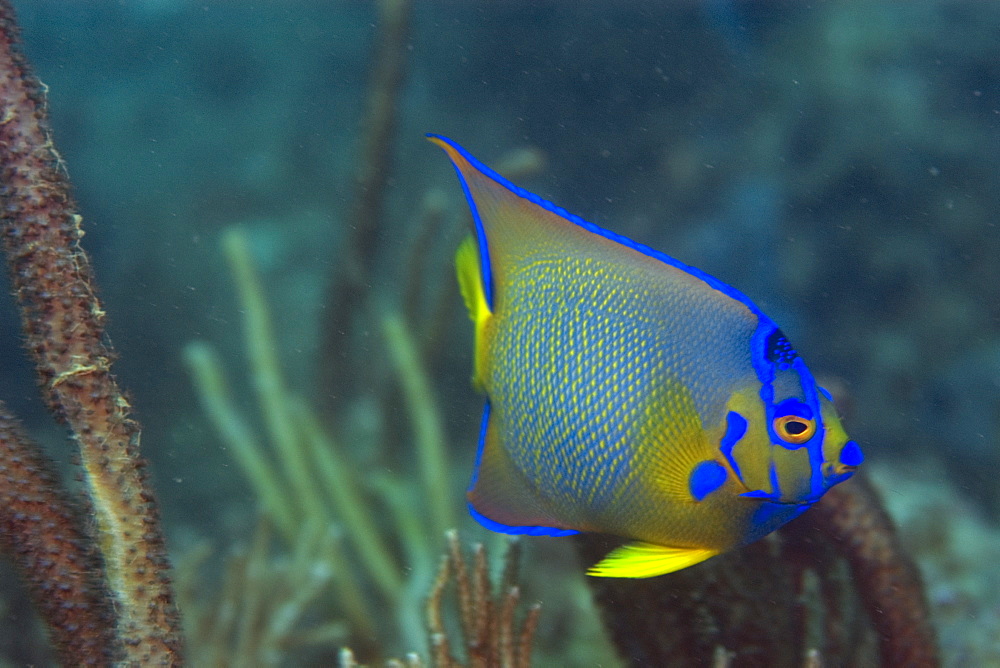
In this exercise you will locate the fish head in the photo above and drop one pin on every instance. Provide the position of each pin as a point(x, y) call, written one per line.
point(795, 447)
point(841, 455)
point(809, 450)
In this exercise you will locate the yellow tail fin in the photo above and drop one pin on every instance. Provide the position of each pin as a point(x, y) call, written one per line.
point(470, 282)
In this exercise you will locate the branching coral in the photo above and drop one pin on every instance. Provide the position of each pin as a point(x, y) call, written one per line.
point(300, 482)
point(306, 481)
point(489, 627)
point(262, 613)
point(490, 632)
point(64, 327)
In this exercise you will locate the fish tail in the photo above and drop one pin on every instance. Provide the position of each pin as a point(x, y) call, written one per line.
point(470, 283)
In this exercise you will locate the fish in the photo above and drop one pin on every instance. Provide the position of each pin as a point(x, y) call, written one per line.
point(628, 393)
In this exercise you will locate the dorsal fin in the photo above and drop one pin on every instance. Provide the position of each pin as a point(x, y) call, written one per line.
point(510, 221)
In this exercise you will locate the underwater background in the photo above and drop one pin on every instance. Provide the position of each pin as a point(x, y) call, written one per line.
point(277, 274)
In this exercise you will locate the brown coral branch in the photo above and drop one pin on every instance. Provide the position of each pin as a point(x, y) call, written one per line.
point(744, 607)
point(352, 278)
point(64, 325)
point(40, 529)
point(489, 623)
point(440, 645)
point(886, 579)
point(830, 586)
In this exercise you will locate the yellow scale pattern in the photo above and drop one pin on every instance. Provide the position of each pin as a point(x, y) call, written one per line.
point(580, 372)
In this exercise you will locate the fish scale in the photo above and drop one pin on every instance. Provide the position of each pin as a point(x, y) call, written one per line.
point(602, 419)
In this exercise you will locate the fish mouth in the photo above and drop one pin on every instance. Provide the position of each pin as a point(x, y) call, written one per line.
point(829, 481)
point(772, 498)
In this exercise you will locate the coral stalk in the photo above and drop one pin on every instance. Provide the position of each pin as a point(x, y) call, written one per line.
point(351, 280)
point(886, 579)
point(64, 326)
point(489, 626)
point(425, 417)
point(40, 529)
point(286, 436)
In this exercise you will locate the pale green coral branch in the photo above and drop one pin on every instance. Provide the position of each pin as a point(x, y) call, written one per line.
point(341, 485)
point(425, 417)
point(265, 374)
point(217, 402)
point(272, 397)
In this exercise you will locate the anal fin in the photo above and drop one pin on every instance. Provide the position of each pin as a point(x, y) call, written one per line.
point(646, 560)
point(500, 498)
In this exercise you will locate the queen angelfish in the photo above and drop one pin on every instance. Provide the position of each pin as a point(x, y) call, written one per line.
point(628, 393)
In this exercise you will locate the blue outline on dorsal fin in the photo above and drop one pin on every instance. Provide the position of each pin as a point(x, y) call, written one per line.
point(485, 265)
point(708, 279)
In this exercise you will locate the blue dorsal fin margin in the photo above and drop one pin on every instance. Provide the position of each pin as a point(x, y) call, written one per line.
point(708, 279)
point(485, 266)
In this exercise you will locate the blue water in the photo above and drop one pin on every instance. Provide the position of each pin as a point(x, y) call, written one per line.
point(834, 161)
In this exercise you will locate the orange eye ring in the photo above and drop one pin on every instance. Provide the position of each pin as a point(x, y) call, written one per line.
point(794, 429)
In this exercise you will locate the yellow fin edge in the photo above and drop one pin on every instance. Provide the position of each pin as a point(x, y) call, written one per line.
point(645, 560)
point(470, 284)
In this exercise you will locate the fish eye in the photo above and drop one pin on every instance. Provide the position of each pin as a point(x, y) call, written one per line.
point(794, 429)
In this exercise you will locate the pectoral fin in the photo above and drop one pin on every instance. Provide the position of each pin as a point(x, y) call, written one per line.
point(645, 560)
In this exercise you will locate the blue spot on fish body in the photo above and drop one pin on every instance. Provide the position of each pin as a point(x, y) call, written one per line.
point(706, 477)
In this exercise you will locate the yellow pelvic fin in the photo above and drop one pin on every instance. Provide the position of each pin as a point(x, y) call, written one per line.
point(646, 560)
point(470, 283)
